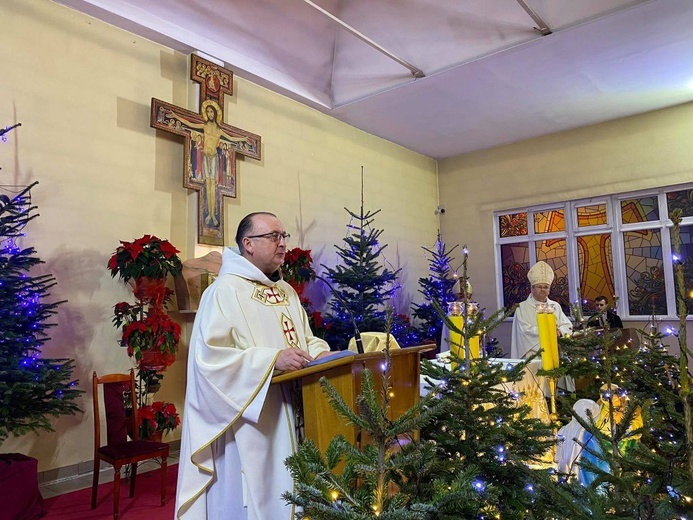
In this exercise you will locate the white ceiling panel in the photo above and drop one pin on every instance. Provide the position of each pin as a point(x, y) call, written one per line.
point(487, 75)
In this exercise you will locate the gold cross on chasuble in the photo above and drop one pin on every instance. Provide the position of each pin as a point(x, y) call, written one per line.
point(211, 146)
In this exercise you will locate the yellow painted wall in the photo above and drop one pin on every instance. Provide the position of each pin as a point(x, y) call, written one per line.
point(82, 90)
point(645, 151)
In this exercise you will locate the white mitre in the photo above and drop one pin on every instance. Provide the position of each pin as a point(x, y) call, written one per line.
point(540, 273)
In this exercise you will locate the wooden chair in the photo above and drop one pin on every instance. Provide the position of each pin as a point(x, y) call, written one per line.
point(118, 450)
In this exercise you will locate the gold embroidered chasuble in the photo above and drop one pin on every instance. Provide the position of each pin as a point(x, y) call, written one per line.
point(237, 429)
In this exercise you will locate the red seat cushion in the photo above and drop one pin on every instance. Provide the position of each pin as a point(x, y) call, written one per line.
point(131, 449)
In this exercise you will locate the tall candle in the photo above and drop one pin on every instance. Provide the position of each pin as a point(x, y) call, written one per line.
point(459, 350)
point(456, 345)
point(474, 347)
point(548, 341)
point(457, 342)
point(553, 339)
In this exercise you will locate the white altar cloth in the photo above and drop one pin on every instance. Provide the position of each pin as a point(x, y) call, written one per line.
point(529, 388)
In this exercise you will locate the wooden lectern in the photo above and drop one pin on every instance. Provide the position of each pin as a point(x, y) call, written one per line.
point(321, 421)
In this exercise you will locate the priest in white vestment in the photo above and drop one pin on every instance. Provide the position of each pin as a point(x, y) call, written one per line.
point(237, 429)
point(525, 333)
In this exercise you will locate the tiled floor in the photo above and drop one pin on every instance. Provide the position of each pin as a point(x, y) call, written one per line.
point(66, 485)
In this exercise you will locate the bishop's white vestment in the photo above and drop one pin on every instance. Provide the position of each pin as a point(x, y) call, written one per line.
point(237, 429)
point(525, 333)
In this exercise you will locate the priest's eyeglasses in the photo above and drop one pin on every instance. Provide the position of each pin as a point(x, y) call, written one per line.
point(274, 236)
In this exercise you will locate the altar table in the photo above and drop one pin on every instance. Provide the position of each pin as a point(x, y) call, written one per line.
point(530, 387)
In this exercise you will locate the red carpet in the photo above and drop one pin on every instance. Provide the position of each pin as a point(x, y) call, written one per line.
point(144, 506)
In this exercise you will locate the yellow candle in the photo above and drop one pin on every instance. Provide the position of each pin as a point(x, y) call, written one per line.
point(457, 342)
point(553, 339)
point(456, 346)
point(548, 340)
point(474, 347)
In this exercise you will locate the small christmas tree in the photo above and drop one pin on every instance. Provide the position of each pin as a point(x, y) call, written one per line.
point(436, 288)
point(490, 452)
point(381, 480)
point(32, 388)
point(361, 281)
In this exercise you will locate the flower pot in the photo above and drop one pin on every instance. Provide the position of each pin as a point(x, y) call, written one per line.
point(156, 361)
point(155, 436)
point(19, 484)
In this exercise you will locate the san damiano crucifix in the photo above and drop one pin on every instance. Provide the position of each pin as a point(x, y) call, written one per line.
point(211, 146)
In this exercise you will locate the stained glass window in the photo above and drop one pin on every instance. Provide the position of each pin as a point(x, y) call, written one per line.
point(595, 268)
point(549, 221)
point(553, 252)
point(681, 199)
point(593, 215)
point(593, 255)
point(515, 264)
point(645, 272)
point(640, 209)
point(513, 225)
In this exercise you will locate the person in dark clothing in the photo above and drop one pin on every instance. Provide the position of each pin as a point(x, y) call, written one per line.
point(604, 315)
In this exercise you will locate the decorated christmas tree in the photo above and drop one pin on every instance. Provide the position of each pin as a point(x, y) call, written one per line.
point(491, 455)
point(632, 455)
point(363, 284)
point(384, 479)
point(474, 459)
point(636, 454)
point(33, 389)
point(436, 288)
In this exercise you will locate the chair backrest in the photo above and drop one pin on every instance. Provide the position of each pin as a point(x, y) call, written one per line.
point(121, 421)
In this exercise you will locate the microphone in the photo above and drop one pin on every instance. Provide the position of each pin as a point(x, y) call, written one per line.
point(3, 131)
point(307, 273)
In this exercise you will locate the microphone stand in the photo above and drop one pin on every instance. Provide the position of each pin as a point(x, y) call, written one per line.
point(357, 334)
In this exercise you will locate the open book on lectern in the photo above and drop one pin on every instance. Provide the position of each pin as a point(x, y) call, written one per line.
point(333, 355)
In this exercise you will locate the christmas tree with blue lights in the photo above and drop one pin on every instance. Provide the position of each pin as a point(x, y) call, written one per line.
point(436, 288)
point(33, 389)
point(362, 283)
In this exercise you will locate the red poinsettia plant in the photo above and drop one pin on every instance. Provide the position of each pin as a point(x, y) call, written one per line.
point(158, 416)
point(316, 322)
point(296, 261)
point(155, 332)
point(147, 331)
point(297, 271)
point(149, 256)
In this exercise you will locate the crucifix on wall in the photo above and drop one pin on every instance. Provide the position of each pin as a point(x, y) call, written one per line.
point(211, 146)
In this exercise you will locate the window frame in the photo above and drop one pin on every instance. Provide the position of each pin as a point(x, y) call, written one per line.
point(614, 225)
